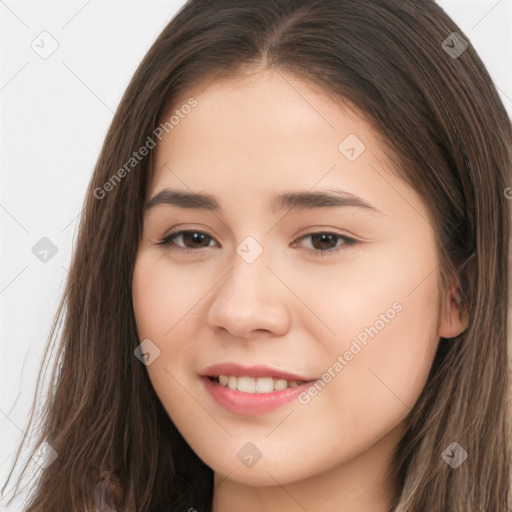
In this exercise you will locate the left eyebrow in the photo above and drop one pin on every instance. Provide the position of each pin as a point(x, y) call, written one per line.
point(323, 199)
point(300, 200)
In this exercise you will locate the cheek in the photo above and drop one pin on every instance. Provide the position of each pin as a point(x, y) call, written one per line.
point(386, 333)
point(150, 302)
point(379, 387)
point(163, 303)
point(353, 295)
point(163, 296)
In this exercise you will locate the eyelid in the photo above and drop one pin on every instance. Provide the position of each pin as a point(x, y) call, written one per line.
point(167, 237)
point(348, 241)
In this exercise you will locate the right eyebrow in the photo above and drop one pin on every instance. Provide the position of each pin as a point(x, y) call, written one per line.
point(184, 200)
point(301, 200)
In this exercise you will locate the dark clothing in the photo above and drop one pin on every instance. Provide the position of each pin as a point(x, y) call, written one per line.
point(198, 498)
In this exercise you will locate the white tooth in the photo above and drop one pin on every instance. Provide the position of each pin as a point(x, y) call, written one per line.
point(280, 384)
point(223, 379)
point(232, 382)
point(292, 383)
point(246, 384)
point(264, 385)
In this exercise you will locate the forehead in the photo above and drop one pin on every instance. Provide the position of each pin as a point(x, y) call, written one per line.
point(260, 98)
point(251, 136)
point(271, 119)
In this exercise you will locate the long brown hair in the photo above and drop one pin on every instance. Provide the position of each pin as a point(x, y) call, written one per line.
point(443, 123)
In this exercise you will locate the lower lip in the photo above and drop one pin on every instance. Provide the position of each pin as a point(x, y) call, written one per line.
point(249, 404)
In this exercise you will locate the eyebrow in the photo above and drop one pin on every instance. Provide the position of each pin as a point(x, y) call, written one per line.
point(300, 200)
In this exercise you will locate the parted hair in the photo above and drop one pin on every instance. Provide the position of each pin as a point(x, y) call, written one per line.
point(449, 136)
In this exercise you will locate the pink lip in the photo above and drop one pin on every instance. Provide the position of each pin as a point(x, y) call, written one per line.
point(249, 404)
point(239, 370)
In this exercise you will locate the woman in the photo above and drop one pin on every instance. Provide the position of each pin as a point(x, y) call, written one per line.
point(218, 353)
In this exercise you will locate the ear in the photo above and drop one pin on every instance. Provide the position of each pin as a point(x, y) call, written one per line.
point(454, 317)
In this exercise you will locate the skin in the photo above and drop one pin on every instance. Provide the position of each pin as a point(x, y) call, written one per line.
point(251, 137)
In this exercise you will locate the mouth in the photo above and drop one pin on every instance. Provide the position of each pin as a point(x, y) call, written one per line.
point(253, 389)
point(255, 385)
point(248, 396)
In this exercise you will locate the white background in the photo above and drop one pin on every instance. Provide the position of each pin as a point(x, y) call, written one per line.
point(55, 114)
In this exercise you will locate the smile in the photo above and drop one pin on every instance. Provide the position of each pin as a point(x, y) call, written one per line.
point(252, 402)
point(247, 384)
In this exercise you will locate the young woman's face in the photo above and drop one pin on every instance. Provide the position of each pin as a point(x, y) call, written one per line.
point(274, 283)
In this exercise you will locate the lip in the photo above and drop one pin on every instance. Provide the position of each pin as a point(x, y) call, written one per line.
point(238, 370)
point(250, 404)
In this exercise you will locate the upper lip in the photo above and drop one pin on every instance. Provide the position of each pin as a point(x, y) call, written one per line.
point(239, 370)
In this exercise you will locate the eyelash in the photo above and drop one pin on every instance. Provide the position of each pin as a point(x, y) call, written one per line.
point(347, 241)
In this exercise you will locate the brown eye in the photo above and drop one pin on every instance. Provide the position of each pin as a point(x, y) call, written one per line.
point(190, 239)
point(325, 243)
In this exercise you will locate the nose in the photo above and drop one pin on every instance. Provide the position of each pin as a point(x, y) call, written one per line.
point(250, 300)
